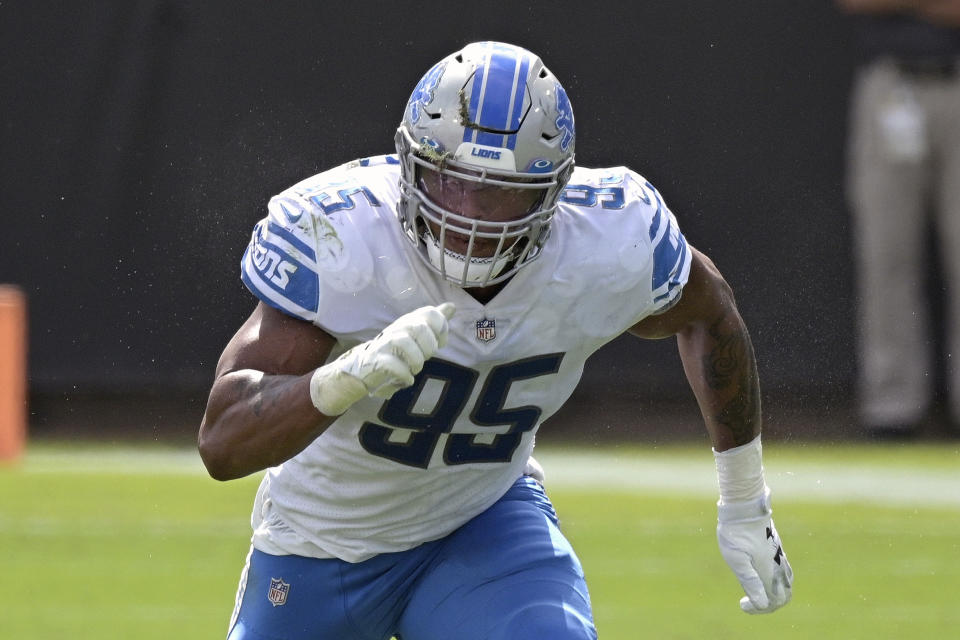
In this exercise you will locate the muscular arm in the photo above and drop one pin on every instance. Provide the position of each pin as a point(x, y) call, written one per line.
point(259, 411)
point(716, 352)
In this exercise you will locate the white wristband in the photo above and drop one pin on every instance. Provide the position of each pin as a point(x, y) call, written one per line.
point(740, 472)
point(333, 390)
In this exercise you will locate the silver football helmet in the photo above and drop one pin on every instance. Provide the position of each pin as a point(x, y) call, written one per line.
point(485, 149)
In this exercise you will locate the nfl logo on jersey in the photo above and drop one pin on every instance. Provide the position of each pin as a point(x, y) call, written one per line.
point(278, 591)
point(486, 330)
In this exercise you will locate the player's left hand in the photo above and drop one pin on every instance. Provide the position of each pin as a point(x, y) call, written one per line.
point(751, 546)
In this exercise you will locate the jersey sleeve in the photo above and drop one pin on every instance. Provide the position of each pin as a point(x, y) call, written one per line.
point(279, 265)
point(671, 255)
point(311, 256)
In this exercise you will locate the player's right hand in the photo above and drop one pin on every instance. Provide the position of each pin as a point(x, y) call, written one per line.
point(383, 365)
point(390, 361)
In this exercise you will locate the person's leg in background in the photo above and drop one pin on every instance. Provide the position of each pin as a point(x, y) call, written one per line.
point(945, 132)
point(888, 160)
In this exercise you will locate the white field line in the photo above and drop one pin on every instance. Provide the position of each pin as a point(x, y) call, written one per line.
point(806, 481)
point(650, 473)
point(119, 460)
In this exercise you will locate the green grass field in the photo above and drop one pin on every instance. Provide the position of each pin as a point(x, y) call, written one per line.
point(107, 542)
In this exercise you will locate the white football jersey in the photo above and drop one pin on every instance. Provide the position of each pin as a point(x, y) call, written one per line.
point(391, 474)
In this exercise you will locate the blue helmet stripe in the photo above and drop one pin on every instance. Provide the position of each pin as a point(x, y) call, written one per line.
point(496, 100)
point(470, 134)
point(520, 91)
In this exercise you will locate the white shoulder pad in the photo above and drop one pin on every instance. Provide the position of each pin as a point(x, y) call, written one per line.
point(280, 263)
point(643, 232)
point(308, 246)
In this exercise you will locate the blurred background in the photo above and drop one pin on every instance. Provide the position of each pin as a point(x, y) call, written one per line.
point(142, 139)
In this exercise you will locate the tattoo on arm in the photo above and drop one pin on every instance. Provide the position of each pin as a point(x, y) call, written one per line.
point(731, 369)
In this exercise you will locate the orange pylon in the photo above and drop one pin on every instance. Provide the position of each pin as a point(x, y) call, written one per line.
point(13, 372)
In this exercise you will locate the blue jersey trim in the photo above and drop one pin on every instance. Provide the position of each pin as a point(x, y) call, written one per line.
point(267, 300)
point(496, 98)
point(270, 302)
point(657, 218)
point(299, 244)
point(274, 276)
point(668, 259)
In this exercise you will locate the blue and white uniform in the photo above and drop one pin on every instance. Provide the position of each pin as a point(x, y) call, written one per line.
point(391, 475)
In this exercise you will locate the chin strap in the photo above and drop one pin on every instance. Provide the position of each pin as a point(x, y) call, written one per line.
point(453, 263)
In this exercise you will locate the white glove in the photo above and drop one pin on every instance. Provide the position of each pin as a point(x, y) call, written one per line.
point(745, 532)
point(751, 546)
point(383, 365)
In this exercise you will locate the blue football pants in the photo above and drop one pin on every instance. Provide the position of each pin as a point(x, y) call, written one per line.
point(508, 574)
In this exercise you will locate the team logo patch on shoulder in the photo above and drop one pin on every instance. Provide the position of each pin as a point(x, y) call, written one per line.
point(278, 592)
point(486, 329)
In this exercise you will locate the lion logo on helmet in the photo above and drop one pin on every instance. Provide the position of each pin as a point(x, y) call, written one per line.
point(423, 92)
point(564, 118)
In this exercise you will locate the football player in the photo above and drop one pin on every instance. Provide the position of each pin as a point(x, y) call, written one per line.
point(420, 315)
